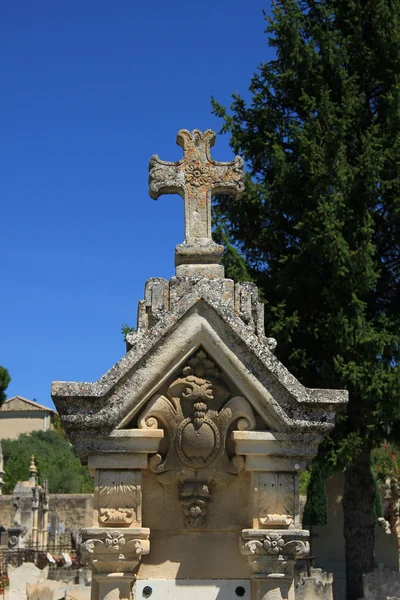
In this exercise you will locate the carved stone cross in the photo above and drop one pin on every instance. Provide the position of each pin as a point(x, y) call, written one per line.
point(195, 178)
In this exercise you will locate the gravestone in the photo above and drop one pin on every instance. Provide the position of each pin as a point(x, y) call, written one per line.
point(197, 436)
point(31, 503)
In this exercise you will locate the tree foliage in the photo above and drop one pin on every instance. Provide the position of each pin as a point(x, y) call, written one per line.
point(5, 380)
point(319, 225)
point(55, 459)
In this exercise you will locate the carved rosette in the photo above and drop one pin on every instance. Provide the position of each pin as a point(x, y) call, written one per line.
point(287, 543)
point(197, 174)
point(196, 414)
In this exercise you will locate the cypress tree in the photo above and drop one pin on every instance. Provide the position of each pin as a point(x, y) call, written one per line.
point(319, 225)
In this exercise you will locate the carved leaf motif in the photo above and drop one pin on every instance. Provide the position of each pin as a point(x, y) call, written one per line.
point(119, 497)
point(253, 547)
point(297, 548)
point(159, 413)
point(89, 545)
point(276, 498)
point(238, 409)
point(118, 489)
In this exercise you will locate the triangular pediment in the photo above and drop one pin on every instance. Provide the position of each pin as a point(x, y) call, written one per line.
point(202, 364)
point(197, 321)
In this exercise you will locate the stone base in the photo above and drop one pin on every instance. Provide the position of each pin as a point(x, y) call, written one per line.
point(199, 258)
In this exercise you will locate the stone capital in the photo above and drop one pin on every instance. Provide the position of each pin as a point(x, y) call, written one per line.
point(279, 543)
point(115, 550)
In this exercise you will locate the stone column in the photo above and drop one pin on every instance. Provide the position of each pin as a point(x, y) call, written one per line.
point(35, 500)
point(275, 540)
point(35, 517)
point(114, 556)
point(45, 514)
point(117, 539)
point(271, 555)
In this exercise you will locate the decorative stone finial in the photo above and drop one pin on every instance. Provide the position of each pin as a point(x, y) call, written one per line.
point(32, 470)
point(195, 178)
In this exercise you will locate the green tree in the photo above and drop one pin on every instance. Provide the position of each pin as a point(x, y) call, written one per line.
point(319, 225)
point(55, 460)
point(4, 383)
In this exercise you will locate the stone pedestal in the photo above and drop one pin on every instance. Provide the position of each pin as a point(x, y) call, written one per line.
point(271, 555)
point(114, 555)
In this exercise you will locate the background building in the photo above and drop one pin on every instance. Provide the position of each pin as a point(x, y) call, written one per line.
point(19, 415)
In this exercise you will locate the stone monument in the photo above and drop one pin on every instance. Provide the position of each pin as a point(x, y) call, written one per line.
point(31, 503)
point(197, 436)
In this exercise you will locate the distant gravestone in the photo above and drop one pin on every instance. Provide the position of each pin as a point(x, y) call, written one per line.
point(31, 503)
point(197, 436)
point(54, 525)
point(382, 584)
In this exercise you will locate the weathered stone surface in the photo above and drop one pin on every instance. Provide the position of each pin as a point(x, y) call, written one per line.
point(199, 428)
point(54, 590)
point(316, 586)
point(201, 314)
point(381, 584)
point(195, 177)
point(27, 573)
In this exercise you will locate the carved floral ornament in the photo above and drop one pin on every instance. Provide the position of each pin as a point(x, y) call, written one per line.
point(197, 174)
point(277, 544)
point(196, 414)
point(114, 541)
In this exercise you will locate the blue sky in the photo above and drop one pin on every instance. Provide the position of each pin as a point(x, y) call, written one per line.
point(90, 90)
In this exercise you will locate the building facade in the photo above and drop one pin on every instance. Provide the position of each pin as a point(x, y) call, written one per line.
point(19, 415)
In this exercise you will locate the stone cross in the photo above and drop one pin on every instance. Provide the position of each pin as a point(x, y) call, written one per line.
point(195, 178)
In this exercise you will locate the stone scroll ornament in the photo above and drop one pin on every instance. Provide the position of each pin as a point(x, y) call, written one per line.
point(196, 414)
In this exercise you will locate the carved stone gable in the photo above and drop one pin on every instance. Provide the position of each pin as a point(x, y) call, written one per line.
point(196, 412)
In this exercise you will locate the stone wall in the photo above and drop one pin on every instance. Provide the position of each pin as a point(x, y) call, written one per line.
point(74, 510)
point(6, 511)
point(327, 543)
